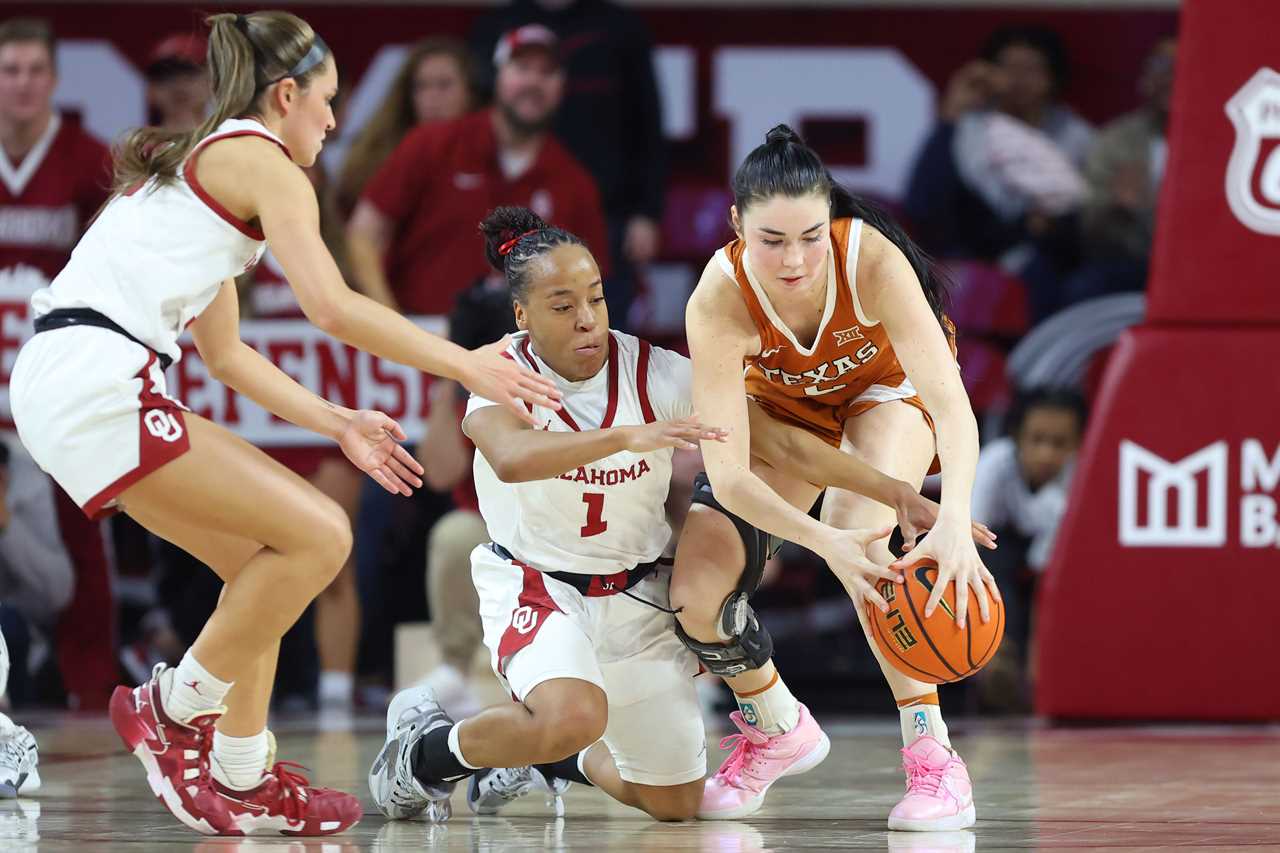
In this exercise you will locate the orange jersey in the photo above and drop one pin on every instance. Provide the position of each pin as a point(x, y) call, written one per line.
point(848, 368)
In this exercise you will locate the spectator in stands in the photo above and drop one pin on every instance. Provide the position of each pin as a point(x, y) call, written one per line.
point(437, 82)
point(1124, 171)
point(482, 315)
point(53, 177)
point(177, 82)
point(999, 178)
point(1020, 490)
point(611, 121)
point(36, 576)
point(411, 240)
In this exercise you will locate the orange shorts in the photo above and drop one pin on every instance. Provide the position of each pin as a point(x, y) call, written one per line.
point(827, 422)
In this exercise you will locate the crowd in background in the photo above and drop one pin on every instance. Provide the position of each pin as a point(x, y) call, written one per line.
point(1044, 222)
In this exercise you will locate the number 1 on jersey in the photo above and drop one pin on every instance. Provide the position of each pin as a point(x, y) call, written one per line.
point(595, 511)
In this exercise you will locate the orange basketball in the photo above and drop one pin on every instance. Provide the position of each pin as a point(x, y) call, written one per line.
point(934, 650)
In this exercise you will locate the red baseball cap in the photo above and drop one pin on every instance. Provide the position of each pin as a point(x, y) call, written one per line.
point(528, 37)
point(177, 52)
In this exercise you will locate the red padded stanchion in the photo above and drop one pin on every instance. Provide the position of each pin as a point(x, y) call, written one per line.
point(1162, 597)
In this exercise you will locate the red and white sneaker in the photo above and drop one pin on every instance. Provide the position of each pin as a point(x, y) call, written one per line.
point(939, 794)
point(174, 753)
point(287, 803)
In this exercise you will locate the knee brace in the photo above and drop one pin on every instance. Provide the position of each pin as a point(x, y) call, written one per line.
point(760, 546)
point(745, 645)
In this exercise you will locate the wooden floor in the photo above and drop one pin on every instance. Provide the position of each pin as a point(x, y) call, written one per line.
point(1154, 788)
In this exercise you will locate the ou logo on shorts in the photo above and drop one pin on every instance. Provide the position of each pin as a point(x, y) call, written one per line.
point(162, 425)
point(524, 619)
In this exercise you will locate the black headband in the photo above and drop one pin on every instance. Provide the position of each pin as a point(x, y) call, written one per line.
point(315, 54)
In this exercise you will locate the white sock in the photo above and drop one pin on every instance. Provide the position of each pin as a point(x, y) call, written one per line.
point(238, 762)
point(920, 719)
point(456, 748)
point(772, 710)
point(192, 690)
point(336, 688)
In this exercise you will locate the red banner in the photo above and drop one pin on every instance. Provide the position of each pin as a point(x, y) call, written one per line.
point(1160, 600)
point(333, 370)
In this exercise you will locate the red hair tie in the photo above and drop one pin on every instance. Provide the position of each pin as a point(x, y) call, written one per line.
point(505, 248)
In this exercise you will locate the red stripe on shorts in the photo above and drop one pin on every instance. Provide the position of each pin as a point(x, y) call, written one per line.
point(532, 609)
point(162, 438)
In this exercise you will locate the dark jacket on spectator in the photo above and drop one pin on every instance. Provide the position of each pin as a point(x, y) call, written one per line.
point(611, 119)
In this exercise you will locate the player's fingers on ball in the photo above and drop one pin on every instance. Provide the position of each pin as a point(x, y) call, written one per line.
point(962, 603)
point(984, 602)
point(990, 581)
point(877, 600)
point(934, 597)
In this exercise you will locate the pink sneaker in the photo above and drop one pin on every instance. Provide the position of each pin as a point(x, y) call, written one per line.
point(939, 795)
point(757, 761)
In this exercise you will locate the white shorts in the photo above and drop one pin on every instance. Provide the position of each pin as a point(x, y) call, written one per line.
point(91, 409)
point(538, 628)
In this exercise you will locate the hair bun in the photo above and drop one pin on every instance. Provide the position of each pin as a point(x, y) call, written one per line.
point(782, 133)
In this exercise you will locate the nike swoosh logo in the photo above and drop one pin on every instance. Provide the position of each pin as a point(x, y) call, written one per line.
point(922, 575)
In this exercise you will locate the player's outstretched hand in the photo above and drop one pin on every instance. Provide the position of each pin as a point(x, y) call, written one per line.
point(489, 375)
point(371, 442)
point(684, 433)
point(917, 515)
point(951, 546)
point(846, 553)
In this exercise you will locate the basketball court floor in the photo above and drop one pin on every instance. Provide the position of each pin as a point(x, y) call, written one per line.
point(1129, 788)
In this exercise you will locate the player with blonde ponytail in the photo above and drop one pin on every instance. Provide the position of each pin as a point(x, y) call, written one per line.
point(191, 212)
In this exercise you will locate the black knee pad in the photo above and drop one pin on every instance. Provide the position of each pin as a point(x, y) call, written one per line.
point(760, 546)
point(748, 644)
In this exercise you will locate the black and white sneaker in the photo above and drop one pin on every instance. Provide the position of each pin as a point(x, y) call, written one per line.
point(491, 789)
point(396, 792)
point(18, 760)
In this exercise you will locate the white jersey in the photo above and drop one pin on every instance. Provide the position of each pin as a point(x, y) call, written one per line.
point(610, 515)
point(156, 256)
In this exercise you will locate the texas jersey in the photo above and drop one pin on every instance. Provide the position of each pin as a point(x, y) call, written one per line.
point(607, 516)
point(156, 255)
point(847, 368)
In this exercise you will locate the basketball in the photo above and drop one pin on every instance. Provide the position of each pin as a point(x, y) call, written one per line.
point(933, 650)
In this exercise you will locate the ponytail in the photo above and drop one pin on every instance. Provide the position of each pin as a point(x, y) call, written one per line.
point(247, 53)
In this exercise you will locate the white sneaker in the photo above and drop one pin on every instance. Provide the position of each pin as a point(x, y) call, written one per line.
point(396, 791)
point(452, 690)
point(18, 759)
point(491, 789)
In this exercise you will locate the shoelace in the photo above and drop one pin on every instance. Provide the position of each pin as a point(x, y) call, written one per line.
point(13, 753)
point(293, 789)
point(731, 771)
point(511, 782)
point(921, 778)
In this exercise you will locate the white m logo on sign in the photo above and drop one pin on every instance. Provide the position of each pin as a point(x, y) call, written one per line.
point(1179, 478)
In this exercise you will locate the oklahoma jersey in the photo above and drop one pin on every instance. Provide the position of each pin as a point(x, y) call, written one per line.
point(157, 255)
point(608, 516)
point(46, 199)
point(849, 366)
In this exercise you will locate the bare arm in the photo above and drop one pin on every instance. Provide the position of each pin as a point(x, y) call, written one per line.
point(367, 438)
point(368, 235)
point(518, 453)
point(234, 363)
point(720, 335)
point(445, 454)
point(269, 186)
point(802, 454)
point(890, 292)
